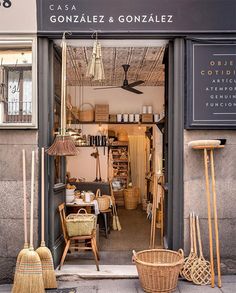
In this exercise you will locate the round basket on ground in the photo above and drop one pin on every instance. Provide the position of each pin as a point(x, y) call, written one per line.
point(158, 269)
point(131, 200)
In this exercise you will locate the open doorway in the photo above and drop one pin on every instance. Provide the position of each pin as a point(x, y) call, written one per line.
point(133, 147)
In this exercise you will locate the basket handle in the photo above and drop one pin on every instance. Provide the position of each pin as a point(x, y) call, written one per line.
point(181, 252)
point(134, 256)
point(80, 108)
point(82, 210)
point(98, 193)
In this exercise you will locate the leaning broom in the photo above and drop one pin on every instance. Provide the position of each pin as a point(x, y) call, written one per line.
point(30, 277)
point(26, 245)
point(44, 253)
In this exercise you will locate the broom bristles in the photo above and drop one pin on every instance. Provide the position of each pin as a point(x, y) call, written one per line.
point(19, 257)
point(63, 146)
point(118, 223)
point(49, 276)
point(29, 276)
point(114, 224)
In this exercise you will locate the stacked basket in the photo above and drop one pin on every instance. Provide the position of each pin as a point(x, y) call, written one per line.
point(131, 197)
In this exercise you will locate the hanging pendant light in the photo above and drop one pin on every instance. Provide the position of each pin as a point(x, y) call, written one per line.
point(63, 144)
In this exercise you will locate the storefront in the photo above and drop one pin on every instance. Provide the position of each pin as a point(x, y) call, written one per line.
point(189, 48)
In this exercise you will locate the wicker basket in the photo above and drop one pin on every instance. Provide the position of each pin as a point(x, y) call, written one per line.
point(131, 199)
point(80, 224)
point(158, 269)
point(104, 201)
point(86, 115)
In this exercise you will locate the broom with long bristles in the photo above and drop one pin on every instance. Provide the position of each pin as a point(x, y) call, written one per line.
point(30, 276)
point(26, 245)
point(63, 144)
point(49, 277)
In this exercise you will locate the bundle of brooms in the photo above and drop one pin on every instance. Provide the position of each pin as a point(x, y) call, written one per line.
point(29, 272)
point(63, 144)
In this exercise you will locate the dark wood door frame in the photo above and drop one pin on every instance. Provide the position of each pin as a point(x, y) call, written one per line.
point(174, 235)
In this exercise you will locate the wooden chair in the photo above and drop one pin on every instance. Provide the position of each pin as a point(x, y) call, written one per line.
point(72, 242)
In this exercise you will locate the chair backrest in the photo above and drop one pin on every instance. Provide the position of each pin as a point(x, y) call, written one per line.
point(62, 212)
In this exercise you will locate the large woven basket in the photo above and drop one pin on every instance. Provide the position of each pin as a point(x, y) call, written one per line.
point(86, 115)
point(80, 224)
point(131, 199)
point(158, 269)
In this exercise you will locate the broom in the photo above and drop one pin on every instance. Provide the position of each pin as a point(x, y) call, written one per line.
point(63, 144)
point(26, 246)
point(30, 277)
point(117, 219)
point(49, 277)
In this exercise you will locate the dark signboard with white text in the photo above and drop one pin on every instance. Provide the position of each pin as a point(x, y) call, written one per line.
point(136, 15)
point(211, 91)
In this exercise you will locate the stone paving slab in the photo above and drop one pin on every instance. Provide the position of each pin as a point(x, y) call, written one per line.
point(133, 286)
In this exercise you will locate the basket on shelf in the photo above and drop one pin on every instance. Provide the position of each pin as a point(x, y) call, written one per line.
point(80, 224)
point(104, 201)
point(131, 198)
point(86, 115)
point(158, 269)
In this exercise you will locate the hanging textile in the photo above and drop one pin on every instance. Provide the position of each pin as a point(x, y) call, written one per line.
point(95, 68)
point(137, 155)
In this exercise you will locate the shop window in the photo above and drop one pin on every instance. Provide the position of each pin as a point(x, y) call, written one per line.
point(18, 84)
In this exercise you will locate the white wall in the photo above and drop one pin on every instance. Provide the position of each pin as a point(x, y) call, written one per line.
point(120, 101)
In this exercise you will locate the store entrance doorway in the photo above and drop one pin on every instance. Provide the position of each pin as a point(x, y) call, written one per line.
point(133, 124)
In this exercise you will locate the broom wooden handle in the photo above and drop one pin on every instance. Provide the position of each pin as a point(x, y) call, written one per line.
point(194, 234)
point(209, 219)
point(215, 218)
point(42, 198)
point(24, 195)
point(32, 202)
point(199, 238)
point(191, 231)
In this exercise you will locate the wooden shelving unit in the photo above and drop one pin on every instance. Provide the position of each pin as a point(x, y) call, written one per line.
point(120, 165)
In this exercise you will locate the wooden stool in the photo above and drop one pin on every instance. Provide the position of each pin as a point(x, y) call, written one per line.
point(105, 215)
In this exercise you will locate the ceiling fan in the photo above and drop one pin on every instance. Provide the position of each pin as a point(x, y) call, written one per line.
point(126, 85)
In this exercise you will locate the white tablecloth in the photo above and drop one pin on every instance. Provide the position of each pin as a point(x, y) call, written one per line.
point(80, 202)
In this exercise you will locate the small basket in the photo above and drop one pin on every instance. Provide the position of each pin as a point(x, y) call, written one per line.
point(104, 201)
point(158, 269)
point(86, 115)
point(131, 199)
point(80, 224)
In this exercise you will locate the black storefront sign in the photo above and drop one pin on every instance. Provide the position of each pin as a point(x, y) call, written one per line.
point(211, 86)
point(163, 16)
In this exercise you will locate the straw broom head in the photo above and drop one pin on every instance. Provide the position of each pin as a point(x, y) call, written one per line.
point(49, 277)
point(16, 280)
point(30, 278)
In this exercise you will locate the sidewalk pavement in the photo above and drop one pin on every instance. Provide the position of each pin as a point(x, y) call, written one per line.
point(133, 286)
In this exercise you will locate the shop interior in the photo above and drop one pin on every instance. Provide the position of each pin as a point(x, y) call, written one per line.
point(118, 132)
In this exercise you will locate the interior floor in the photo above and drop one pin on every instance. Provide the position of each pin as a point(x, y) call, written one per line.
point(117, 248)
